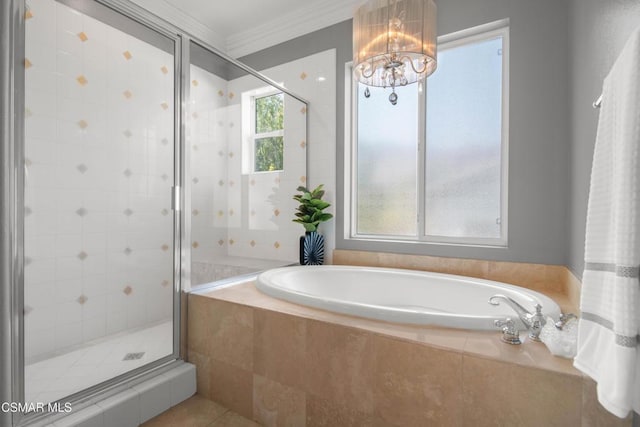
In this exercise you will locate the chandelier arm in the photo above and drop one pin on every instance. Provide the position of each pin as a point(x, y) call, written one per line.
point(424, 69)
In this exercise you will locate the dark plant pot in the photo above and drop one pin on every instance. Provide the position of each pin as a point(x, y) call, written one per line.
point(312, 248)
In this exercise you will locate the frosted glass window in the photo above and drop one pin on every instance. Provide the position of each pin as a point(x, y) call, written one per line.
point(464, 139)
point(387, 162)
point(431, 168)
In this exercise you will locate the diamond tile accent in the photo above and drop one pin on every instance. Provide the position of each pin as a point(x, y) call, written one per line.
point(195, 212)
point(28, 162)
point(195, 148)
point(127, 173)
point(253, 243)
point(195, 245)
point(82, 256)
point(164, 212)
point(276, 245)
point(27, 309)
point(27, 261)
point(231, 183)
point(231, 124)
point(164, 247)
point(194, 82)
point(83, 36)
point(128, 290)
point(252, 182)
point(220, 153)
point(303, 75)
point(127, 133)
point(28, 113)
point(82, 299)
point(164, 70)
point(231, 95)
point(82, 124)
point(303, 110)
point(231, 212)
point(221, 242)
point(164, 105)
point(27, 63)
point(220, 214)
point(127, 251)
point(221, 183)
point(277, 180)
point(82, 168)
point(253, 212)
point(231, 241)
point(276, 212)
point(127, 212)
point(195, 115)
point(165, 283)
point(303, 179)
point(81, 212)
point(133, 356)
point(127, 94)
point(127, 55)
point(164, 176)
point(195, 180)
point(28, 14)
point(220, 93)
point(27, 211)
point(303, 144)
point(164, 141)
point(82, 80)
point(231, 154)
point(220, 123)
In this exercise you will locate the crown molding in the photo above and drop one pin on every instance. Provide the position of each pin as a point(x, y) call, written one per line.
point(183, 21)
point(311, 17)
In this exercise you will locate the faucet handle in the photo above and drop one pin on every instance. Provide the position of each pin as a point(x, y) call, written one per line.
point(536, 323)
point(510, 334)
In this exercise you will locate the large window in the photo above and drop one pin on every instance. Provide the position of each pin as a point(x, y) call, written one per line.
point(433, 167)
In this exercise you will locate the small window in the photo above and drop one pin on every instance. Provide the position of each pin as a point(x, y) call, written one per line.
point(268, 135)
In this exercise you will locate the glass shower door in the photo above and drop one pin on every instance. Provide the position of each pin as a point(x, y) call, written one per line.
point(99, 170)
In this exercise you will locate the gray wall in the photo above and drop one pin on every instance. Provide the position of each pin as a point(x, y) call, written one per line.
point(538, 146)
point(597, 32)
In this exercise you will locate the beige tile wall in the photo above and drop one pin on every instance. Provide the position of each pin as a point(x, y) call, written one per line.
point(285, 365)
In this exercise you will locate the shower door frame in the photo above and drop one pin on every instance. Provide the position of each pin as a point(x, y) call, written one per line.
point(12, 90)
point(12, 144)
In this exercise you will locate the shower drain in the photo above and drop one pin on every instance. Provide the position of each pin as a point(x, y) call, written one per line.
point(133, 356)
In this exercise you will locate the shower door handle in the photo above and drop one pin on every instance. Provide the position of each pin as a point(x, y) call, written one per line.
point(175, 198)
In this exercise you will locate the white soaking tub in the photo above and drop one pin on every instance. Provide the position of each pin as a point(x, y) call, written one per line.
point(403, 296)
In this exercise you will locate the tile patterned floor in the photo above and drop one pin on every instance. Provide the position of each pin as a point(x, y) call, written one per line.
point(199, 412)
point(54, 378)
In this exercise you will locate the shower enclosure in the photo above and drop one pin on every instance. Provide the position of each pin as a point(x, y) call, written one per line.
point(137, 162)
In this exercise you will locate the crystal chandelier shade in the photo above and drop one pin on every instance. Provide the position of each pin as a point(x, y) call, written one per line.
point(394, 42)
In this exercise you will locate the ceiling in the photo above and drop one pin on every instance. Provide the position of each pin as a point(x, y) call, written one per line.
point(240, 27)
point(229, 18)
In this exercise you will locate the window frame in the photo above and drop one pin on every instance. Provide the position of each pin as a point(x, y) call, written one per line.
point(251, 136)
point(449, 41)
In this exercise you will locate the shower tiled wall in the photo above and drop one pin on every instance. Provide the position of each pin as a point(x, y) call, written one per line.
point(236, 214)
point(99, 167)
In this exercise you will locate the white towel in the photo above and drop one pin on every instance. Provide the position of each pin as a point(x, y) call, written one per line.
point(608, 348)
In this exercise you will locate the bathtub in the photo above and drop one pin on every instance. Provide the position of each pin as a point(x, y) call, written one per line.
point(403, 296)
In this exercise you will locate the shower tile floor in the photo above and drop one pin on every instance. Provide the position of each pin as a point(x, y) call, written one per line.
point(199, 412)
point(62, 375)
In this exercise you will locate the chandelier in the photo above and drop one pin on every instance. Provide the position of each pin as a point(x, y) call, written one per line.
point(394, 43)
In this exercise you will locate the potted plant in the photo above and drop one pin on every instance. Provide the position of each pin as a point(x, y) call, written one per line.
point(310, 214)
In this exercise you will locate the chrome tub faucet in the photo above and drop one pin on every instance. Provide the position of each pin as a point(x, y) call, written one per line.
point(534, 322)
